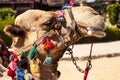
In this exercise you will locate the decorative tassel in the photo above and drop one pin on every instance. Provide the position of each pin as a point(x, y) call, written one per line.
point(21, 66)
point(47, 46)
point(44, 40)
point(13, 56)
point(27, 75)
point(65, 7)
point(11, 73)
point(34, 66)
point(86, 73)
point(22, 56)
point(48, 60)
point(12, 65)
point(71, 2)
point(11, 70)
point(33, 52)
point(20, 74)
point(88, 67)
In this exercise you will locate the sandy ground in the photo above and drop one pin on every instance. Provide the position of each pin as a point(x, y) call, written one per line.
point(102, 69)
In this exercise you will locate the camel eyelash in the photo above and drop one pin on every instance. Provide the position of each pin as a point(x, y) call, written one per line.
point(48, 23)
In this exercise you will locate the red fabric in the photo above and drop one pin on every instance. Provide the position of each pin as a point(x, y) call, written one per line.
point(11, 73)
point(48, 45)
point(86, 73)
point(15, 58)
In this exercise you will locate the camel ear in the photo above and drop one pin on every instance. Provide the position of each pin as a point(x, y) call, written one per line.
point(14, 31)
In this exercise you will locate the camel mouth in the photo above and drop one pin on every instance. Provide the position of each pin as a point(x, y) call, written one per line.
point(93, 31)
point(98, 33)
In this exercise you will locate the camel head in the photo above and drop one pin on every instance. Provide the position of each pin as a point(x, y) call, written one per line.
point(32, 25)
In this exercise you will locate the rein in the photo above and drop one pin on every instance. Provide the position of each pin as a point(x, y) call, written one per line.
point(37, 42)
point(88, 65)
point(74, 27)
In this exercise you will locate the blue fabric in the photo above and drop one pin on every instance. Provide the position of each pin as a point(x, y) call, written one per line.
point(20, 74)
point(65, 7)
point(48, 61)
point(10, 57)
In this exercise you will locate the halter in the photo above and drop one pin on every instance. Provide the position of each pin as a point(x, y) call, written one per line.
point(74, 27)
point(74, 23)
point(62, 23)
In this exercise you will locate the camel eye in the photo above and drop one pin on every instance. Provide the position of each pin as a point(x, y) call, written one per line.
point(48, 23)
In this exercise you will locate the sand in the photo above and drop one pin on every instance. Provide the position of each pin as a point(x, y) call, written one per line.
point(102, 69)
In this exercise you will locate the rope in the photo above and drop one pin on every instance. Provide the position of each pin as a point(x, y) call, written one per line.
point(88, 65)
point(37, 42)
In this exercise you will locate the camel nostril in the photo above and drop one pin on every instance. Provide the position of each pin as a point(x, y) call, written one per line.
point(98, 22)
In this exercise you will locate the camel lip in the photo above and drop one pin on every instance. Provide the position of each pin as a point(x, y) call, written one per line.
point(98, 33)
point(92, 31)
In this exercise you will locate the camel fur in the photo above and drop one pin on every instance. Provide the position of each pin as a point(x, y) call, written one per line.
point(33, 25)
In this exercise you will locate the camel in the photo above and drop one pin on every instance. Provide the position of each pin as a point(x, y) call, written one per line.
point(33, 25)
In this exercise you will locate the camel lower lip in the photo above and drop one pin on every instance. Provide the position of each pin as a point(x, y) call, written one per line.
point(99, 34)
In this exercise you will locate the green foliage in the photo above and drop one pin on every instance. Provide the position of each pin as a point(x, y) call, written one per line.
point(6, 13)
point(7, 16)
point(112, 34)
point(113, 12)
point(3, 23)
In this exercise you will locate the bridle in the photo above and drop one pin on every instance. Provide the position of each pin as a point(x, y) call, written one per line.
point(57, 31)
point(74, 27)
point(74, 23)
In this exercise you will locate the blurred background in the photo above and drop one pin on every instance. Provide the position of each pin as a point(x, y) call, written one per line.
point(109, 9)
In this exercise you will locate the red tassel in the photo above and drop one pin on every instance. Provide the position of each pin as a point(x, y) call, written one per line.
point(86, 73)
point(11, 73)
point(48, 45)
